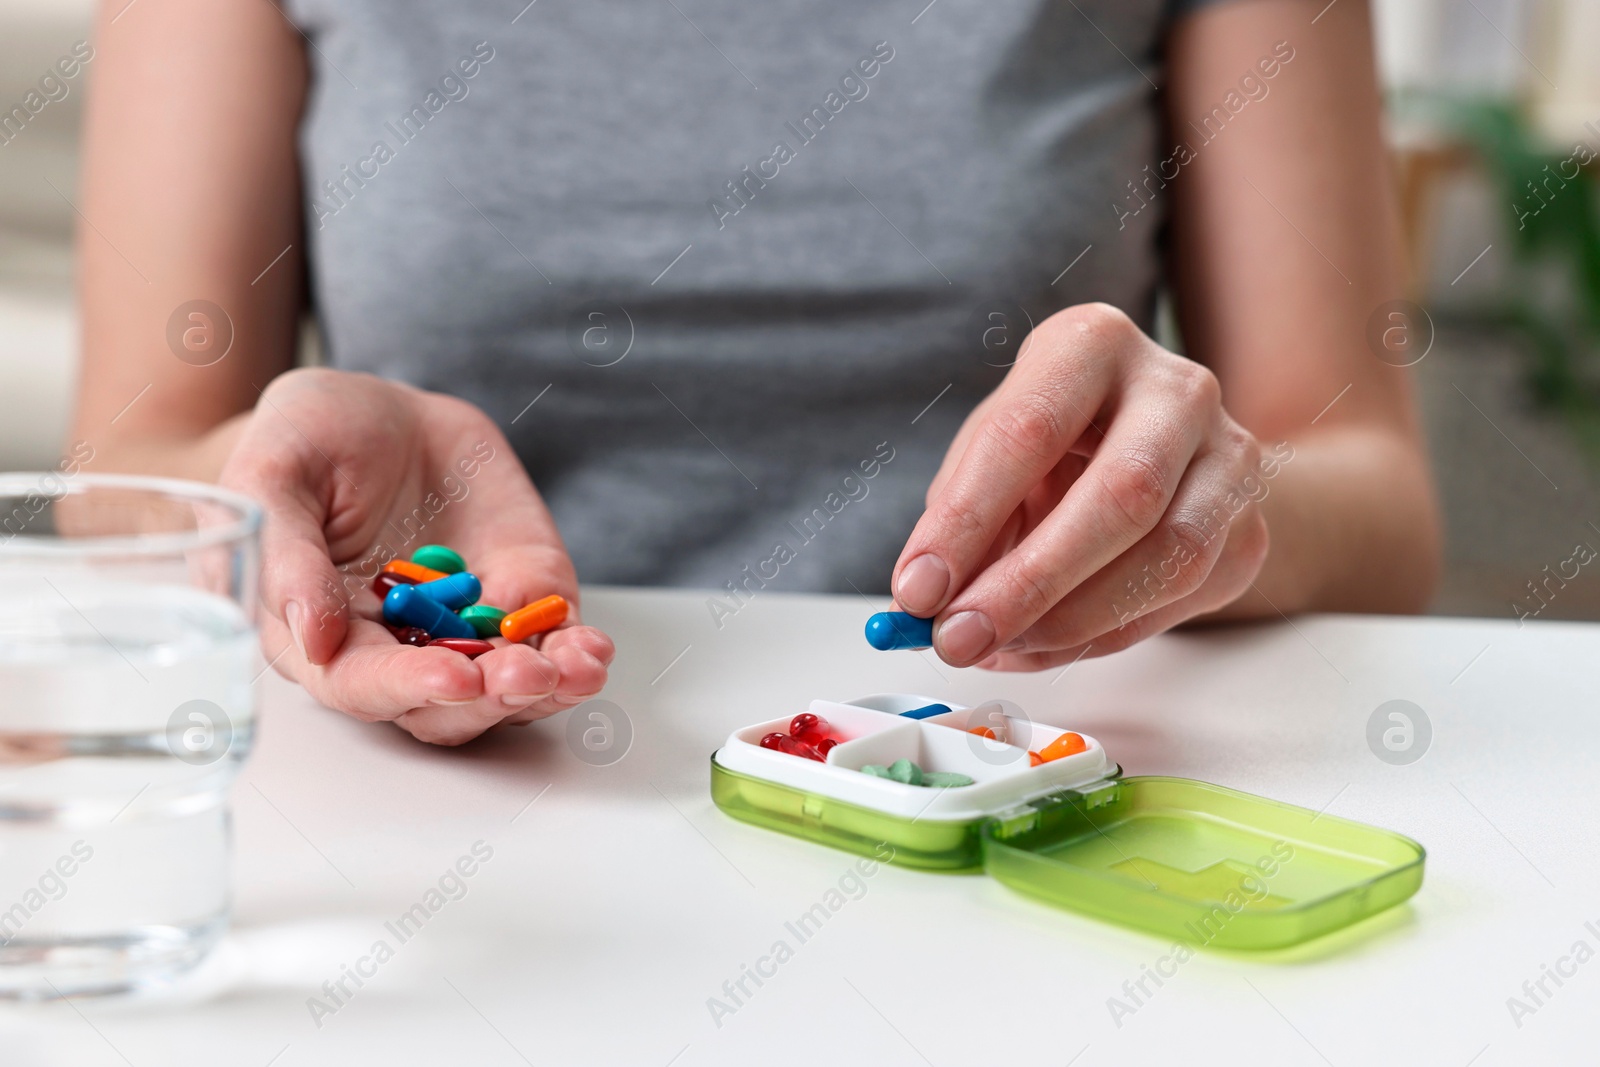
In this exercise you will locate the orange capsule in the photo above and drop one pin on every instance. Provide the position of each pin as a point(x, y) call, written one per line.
point(1068, 744)
point(415, 571)
point(1034, 759)
point(983, 731)
point(536, 618)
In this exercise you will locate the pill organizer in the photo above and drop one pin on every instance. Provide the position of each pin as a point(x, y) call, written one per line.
point(1198, 862)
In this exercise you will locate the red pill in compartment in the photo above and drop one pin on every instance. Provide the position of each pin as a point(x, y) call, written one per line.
point(791, 745)
point(387, 580)
point(469, 647)
point(825, 746)
point(808, 727)
point(410, 635)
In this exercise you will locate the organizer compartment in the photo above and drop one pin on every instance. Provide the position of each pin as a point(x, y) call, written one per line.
point(1017, 730)
point(900, 703)
point(846, 722)
point(933, 748)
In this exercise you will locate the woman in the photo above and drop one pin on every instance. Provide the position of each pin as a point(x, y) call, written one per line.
point(743, 292)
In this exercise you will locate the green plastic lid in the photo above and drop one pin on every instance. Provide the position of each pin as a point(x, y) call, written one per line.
point(1201, 863)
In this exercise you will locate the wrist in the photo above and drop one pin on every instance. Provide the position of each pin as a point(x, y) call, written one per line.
point(198, 457)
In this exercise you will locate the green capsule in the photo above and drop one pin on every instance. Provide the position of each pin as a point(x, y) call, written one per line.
point(484, 619)
point(440, 558)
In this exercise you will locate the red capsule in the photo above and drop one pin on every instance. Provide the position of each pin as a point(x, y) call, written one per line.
point(387, 580)
point(826, 746)
point(469, 647)
point(411, 635)
point(791, 745)
point(808, 727)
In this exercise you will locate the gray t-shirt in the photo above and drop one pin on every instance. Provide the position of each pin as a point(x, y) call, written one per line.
point(728, 275)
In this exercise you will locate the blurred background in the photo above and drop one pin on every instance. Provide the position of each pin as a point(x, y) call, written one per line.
point(1494, 123)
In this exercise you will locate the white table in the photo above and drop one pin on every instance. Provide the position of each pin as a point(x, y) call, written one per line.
point(620, 900)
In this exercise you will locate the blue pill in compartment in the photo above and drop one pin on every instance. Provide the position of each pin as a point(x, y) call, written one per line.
point(454, 591)
point(896, 629)
point(404, 606)
point(927, 712)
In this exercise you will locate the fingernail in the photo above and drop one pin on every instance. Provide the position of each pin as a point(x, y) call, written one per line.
point(569, 701)
point(292, 614)
point(1017, 644)
point(922, 585)
point(517, 700)
point(964, 637)
point(453, 703)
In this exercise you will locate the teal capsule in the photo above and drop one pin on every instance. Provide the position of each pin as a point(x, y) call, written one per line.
point(484, 619)
point(439, 558)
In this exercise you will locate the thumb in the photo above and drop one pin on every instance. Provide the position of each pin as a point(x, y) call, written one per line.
point(299, 584)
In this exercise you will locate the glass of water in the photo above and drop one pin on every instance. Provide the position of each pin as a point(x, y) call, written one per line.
point(127, 657)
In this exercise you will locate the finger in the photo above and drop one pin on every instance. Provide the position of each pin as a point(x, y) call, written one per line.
point(1208, 516)
point(1044, 406)
point(595, 642)
point(582, 674)
point(372, 676)
point(515, 677)
point(1121, 495)
point(958, 448)
point(581, 677)
point(299, 583)
point(1232, 574)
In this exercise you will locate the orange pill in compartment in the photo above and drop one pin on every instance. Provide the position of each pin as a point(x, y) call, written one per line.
point(415, 571)
point(1068, 744)
point(983, 731)
point(535, 618)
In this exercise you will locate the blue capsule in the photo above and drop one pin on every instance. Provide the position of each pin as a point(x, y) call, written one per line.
point(926, 713)
point(454, 591)
point(405, 606)
point(896, 629)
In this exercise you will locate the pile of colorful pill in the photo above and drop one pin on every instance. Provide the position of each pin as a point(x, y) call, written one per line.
point(432, 599)
point(908, 773)
point(807, 738)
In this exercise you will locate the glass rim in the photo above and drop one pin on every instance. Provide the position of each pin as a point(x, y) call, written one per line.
point(17, 484)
